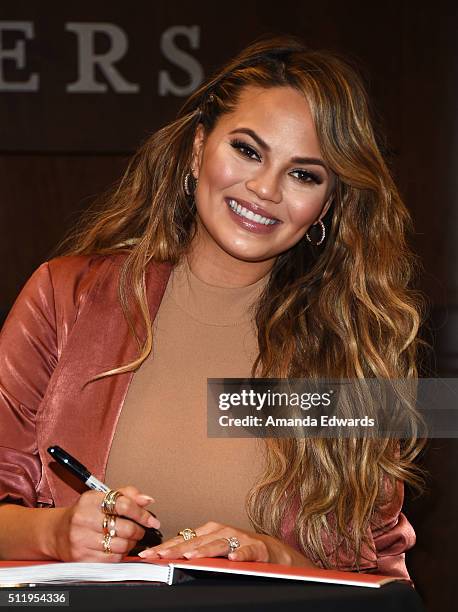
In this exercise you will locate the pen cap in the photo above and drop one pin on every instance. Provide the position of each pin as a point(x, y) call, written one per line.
point(69, 462)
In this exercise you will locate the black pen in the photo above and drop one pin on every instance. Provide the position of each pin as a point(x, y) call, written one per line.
point(77, 468)
point(152, 535)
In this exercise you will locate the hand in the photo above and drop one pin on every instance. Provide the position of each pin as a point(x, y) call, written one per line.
point(210, 542)
point(78, 533)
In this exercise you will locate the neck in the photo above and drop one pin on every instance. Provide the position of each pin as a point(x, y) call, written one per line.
point(214, 266)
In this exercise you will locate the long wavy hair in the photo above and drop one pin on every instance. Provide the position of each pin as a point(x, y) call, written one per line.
point(342, 310)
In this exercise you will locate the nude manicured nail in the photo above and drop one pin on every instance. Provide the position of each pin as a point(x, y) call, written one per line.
point(148, 554)
point(154, 522)
point(147, 498)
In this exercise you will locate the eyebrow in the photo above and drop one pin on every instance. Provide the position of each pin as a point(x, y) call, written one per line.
point(316, 161)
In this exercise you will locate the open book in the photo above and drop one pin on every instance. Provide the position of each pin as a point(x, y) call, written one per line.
point(170, 572)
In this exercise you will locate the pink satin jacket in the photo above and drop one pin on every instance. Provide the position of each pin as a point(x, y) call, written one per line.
point(67, 326)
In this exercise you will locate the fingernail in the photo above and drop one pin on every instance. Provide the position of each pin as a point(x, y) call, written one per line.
point(232, 556)
point(163, 552)
point(190, 555)
point(148, 553)
point(154, 522)
point(147, 498)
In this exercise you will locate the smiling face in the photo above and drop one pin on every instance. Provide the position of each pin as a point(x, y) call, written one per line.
point(262, 181)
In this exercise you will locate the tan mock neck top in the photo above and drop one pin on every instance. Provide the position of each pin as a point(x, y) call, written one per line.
point(161, 443)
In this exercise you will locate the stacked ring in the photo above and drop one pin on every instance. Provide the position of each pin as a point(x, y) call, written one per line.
point(109, 525)
point(106, 543)
point(109, 501)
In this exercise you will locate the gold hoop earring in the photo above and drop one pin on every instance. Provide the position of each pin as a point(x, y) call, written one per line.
point(323, 234)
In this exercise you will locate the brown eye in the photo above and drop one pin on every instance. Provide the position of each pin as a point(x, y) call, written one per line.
point(244, 149)
point(305, 176)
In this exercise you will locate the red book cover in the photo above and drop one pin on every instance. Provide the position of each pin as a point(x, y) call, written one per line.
point(166, 570)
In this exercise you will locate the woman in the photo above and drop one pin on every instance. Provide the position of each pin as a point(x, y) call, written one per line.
point(268, 191)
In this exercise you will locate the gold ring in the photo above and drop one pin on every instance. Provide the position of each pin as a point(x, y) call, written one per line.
point(106, 543)
point(109, 501)
point(109, 525)
point(187, 534)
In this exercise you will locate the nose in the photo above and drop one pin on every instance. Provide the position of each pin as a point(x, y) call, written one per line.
point(265, 184)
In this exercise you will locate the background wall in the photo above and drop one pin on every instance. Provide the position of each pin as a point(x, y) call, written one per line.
point(68, 126)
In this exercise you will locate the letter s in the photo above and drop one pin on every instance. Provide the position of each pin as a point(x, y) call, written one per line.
point(181, 59)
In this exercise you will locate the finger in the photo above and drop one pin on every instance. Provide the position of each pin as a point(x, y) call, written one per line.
point(128, 529)
point(250, 552)
point(125, 506)
point(175, 547)
point(153, 552)
point(141, 498)
point(129, 491)
point(118, 546)
point(144, 500)
point(215, 548)
point(96, 556)
point(174, 550)
point(210, 527)
point(172, 542)
point(212, 545)
point(125, 528)
point(90, 547)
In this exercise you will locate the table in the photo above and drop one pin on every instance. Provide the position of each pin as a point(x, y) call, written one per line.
point(241, 594)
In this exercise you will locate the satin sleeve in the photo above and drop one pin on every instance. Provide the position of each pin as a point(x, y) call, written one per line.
point(389, 536)
point(392, 535)
point(28, 356)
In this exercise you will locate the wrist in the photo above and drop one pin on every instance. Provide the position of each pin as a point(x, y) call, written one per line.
point(49, 530)
point(286, 555)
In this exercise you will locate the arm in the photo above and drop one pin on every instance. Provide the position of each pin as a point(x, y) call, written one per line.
point(29, 350)
point(25, 533)
point(28, 356)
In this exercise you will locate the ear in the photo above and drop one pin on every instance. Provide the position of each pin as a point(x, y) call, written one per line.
point(197, 150)
point(325, 208)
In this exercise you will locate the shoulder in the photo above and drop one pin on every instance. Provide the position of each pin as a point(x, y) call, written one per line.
point(54, 295)
point(80, 269)
point(77, 274)
point(74, 280)
point(66, 279)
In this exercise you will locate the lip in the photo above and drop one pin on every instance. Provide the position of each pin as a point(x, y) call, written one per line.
point(253, 207)
point(249, 225)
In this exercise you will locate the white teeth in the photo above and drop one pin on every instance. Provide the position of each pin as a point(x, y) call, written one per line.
point(244, 212)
